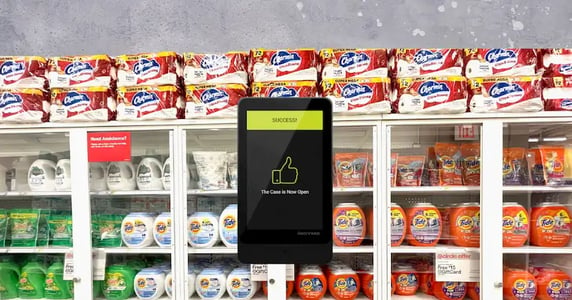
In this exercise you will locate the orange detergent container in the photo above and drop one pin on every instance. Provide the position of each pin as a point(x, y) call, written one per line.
point(369, 222)
point(553, 284)
point(349, 225)
point(289, 288)
point(406, 280)
point(424, 225)
point(473, 290)
point(311, 283)
point(445, 211)
point(398, 223)
point(366, 280)
point(393, 284)
point(426, 281)
point(515, 225)
point(550, 225)
point(518, 285)
point(465, 225)
point(343, 283)
point(445, 290)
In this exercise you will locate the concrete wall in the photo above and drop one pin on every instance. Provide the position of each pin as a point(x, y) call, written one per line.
point(66, 27)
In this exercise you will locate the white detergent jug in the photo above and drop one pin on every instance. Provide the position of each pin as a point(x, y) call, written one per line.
point(97, 177)
point(63, 175)
point(167, 177)
point(42, 176)
point(149, 174)
point(19, 175)
point(121, 176)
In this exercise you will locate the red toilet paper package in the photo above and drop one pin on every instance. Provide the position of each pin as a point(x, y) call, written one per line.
point(283, 64)
point(75, 71)
point(213, 100)
point(22, 72)
point(505, 94)
point(24, 106)
point(284, 89)
point(163, 102)
point(557, 93)
point(557, 62)
point(483, 62)
point(230, 67)
point(82, 104)
point(442, 95)
point(352, 63)
point(159, 68)
point(358, 95)
point(426, 62)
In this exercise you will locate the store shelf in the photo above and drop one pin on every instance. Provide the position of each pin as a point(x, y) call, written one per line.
point(165, 297)
point(413, 249)
point(359, 249)
point(537, 250)
point(434, 189)
point(414, 297)
point(326, 297)
point(131, 193)
point(48, 250)
point(537, 189)
point(213, 250)
point(147, 250)
point(35, 194)
point(344, 191)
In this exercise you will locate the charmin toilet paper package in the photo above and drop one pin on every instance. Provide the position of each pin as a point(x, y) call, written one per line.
point(22, 72)
point(163, 102)
point(557, 93)
point(437, 95)
point(350, 63)
point(82, 104)
point(358, 95)
point(283, 64)
point(426, 62)
point(500, 62)
point(284, 89)
point(505, 94)
point(557, 62)
point(148, 69)
point(74, 71)
point(230, 67)
point(24, 105)
point(213, 100)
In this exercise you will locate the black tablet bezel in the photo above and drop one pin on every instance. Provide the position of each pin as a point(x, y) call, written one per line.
point(285, 237)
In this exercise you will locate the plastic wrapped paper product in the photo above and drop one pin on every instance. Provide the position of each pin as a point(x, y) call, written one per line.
point(284, 64)
point(506, 94)
point(82, 104)
point(557, 93)
point(81, 71)
point(557, 62)
point(284, 89)
point(426, 62)
point(358, 95)
point(211, 68)
point(22, 72)
point(484, 62)
point(353, 63)
point(430, 95)
point(159, 68)
point(213, 100)
point(163, 102)
point(24, 105)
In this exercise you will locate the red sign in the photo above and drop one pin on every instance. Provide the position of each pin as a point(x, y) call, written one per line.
point(108, 146)
point(466, 133)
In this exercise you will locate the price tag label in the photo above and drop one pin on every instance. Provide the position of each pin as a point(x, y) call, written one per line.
point(260, 272)
point(68, 266)
point(457, 265)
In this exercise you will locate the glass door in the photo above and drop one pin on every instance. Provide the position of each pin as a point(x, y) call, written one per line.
point(433, 180)
point(131, 196)
point(537, 200)
point(35, 213)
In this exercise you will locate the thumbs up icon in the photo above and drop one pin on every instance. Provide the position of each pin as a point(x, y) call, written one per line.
point(287, 174)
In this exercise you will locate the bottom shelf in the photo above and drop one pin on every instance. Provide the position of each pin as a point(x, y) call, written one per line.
point(414, 297)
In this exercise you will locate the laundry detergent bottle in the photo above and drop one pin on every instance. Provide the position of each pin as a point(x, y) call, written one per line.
point(118, 284)
point(32, 280)
point(56, 287)
point(9, 275)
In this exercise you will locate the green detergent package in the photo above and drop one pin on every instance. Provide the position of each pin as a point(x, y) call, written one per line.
point(60, 230)
point(107, 230)
point(24, 227)
point(43, 229)
point(32, 280)
point(3, 227)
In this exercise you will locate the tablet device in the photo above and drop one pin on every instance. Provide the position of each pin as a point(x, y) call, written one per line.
point(285, 180)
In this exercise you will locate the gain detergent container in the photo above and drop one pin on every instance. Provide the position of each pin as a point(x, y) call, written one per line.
point(32, 281)
point(137, 230)
point(118, 282)
point(56, 287)
point(228, 226)
point(239, 284)
point(149, 283)
point(203, 229)
point(210, 283)
point(9, 275)
point(162, 230)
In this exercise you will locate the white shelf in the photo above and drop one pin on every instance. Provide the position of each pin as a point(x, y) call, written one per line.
point(229, 192)
point(147, 250)
point(359, 249)
point(418, 296)
point(537, 189)
point(537, 250)
point(326, 297)
point(49, 250)
point(213, 250)
point(35, 194)
point(165, 297)
point(415, 249)
point(434, 189)
point(131, 193)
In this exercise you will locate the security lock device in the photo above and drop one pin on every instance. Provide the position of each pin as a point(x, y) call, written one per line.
point(285, 180)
